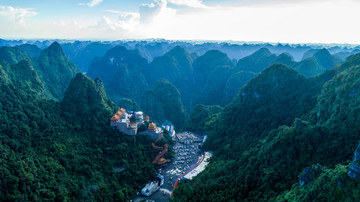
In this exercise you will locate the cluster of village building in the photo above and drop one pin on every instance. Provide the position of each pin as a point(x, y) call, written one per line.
point(129, 123)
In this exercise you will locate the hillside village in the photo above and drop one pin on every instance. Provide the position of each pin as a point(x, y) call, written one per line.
point(130, 122)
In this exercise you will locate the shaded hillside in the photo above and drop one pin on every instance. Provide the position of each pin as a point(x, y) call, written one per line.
point(83, 53)
point(211, 72)
point(275, 97)
point(13, 55)
point(235, 82)
point(309, 53)
point(257, 61)
point(87, 99)
point(120, 70)
point(176, 67)
point(23, 76)
point(279, 160)
point(286, 59)
point(151, 51)
point(129, 105)
point(206, 63)
point(325, 59)
point(317, 62)
point(309, 67)
point(213, 91)
point(163, 102)
point(55, 70)
point(31, 50)
point(202, 118)
point(325, 185)
point(64, 151)
point(344, 55)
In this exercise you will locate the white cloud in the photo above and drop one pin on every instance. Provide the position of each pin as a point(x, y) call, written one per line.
point(318, 22)
point(92, 3)
point(125, 22)
point(16, 15)
point(152, 12)
point(189, 3)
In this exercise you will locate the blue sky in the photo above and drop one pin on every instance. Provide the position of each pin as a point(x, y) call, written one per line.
point(289, 21)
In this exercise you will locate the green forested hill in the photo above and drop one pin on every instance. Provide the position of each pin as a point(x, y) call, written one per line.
point(84, 53)
point(163, 102)
point(235, 82)
point(31, 50)
point(206, 63)
point(55, 70)
point(257, 61)
point(317, 63)
point(13, 55)
point(269, 170)
point(273, 98)
point(52, 66)
point(121, 71)
point(202, 118)
point(64, 151)
point(176, 67)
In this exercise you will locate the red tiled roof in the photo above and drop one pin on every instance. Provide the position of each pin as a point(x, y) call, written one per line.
point(118, 114)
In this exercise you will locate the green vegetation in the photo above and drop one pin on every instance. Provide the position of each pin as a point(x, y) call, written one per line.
point(163, 102)
point(273, 98)
point(206, 63)
point(82, 53)
point(288, 134)
point(176, 67)
point(202, 118)
point(260, 159)
point(120, 70)
point(235, 82)
point(52, 66)
point(64, 151)
point(309, 67)
point(329, 185)
point(325, 59)
point(129, 105)
point(317, 62)
point(13, 55)
point(55, 70)
point(257, 61)
point(31, 50)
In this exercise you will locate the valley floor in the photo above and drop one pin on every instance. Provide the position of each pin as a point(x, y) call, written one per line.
point(185, 156)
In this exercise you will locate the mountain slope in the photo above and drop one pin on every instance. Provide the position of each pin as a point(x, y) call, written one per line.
point(120, 70)
point(257, 61)
point(251, 114)
point(211, 72)
point(83, 54)
point(86, 98)
point(212, 91)
point(65, 151)
point(235, 82)
point(202, 118)
point(206, 63)
point(274, 164)
point(13, 55)
point(309, 67)
point(55, 70)
point(31, 50)
point(325, 59)
point(163, 102)
point(176, 67)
